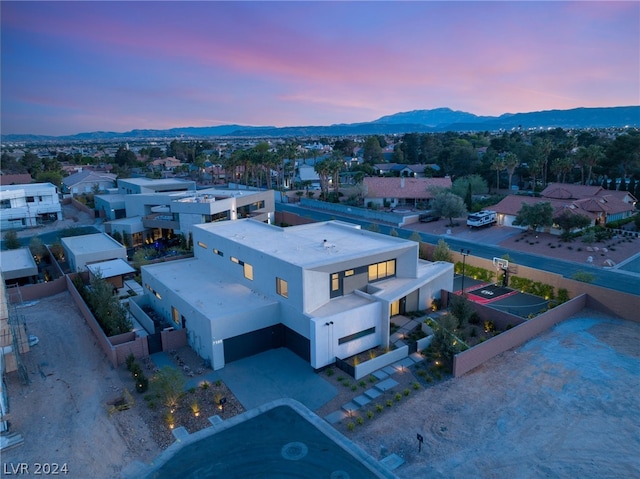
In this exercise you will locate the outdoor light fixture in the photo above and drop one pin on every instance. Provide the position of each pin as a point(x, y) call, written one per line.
point(464, 257)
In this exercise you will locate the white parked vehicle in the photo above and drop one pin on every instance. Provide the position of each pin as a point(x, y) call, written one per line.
point(482, 218)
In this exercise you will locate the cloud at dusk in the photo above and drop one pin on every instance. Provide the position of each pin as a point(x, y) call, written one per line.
point(69, 67)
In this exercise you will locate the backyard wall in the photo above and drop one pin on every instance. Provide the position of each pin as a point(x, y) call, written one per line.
point(173, 339)
point(31, 292)
point(115, 353)
point(471, 358)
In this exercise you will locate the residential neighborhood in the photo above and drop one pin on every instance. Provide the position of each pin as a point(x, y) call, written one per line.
point(314, 261)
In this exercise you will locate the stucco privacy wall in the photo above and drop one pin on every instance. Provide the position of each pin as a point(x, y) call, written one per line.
point(116, 354)
point(477, 355)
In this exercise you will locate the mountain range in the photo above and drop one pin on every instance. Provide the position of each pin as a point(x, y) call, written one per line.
point(417, 121)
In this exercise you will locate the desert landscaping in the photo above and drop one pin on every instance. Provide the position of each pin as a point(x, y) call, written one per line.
point(563, 405)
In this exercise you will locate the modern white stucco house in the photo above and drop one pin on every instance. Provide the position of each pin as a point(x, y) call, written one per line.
point(324, 290)
point(29, 205)
point(81, 251)
point(152, 215)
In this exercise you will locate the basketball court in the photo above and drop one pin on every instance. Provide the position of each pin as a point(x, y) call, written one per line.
point(499, 296)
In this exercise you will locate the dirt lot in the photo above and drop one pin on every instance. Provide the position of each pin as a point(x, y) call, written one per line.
point(564, 405)
point(62, 413)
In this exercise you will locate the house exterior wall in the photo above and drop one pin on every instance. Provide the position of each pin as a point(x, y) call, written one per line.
point(351, 322)
point(26, 205)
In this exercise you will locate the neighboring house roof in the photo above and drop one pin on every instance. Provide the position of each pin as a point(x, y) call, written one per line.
point(568, 191)
point(593, 207)
point(403, 187)
point(169, 162)
point(18, 179)
point(88, 176)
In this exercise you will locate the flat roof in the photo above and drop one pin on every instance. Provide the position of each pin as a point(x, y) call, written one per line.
point(308, 245)
point(111, 268)
point(17, 260)
point(93, 243)
point(206, 289)
point(159, 181)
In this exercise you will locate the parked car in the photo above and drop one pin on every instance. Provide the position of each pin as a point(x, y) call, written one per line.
point(428, 218)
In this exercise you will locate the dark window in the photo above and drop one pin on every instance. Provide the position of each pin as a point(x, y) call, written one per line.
point(357, 335)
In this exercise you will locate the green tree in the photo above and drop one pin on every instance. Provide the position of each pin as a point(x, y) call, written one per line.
point(511, 162)
point(442, 252)
point(535, 216)
point(498, 164)
point(415, 236)
point(588, 157)
point(53, 177)
point(372, 152)
point(106, 307)
point(448, 205)
point(11, 240)
point(567, 220)
point(38, 248)
point(477, 183)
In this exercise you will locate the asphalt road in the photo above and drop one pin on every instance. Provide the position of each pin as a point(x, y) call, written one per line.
point(606, 278)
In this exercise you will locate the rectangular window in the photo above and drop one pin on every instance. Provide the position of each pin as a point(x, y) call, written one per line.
point(357, 335)
point(202, 245)
point(234, 260)
point(373, 272)
point(349, 272)
point(30, 199)
point(282, 287)
point(248, 271)
point(218, 252)
point(175, 315)
point(157, 295)
point(391, 267)
point(335, 282)
point(382, 270)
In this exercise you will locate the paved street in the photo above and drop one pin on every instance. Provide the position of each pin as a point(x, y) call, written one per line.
point(607, 278)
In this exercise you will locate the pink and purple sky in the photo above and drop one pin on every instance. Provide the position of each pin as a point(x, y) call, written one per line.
point(70, 67)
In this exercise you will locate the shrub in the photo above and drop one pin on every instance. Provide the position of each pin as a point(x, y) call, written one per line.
point(204, 385)
point(351, 426)
point(398, 396)
point(379, 407)
point(406, 392)
point(370, 414)
point(416, 385)
point(142, 383)
point(389, 403)
point(360, 420)
point(330, 372)
point(129, 361)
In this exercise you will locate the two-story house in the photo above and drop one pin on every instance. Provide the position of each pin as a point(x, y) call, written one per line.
point(324, 290)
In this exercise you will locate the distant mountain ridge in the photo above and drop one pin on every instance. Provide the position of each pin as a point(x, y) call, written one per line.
point(417, 121)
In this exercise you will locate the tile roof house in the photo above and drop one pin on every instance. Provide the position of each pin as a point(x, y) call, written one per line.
point(404, 170)
point(17, 179)
point(401, 191)
point(86, 180)
point(599, 205)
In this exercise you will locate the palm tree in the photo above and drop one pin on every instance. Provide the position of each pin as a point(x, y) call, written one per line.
point(511, 162)
point(498, 164)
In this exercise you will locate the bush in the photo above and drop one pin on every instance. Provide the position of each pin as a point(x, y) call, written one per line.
point(142, 383)
point(129, 361)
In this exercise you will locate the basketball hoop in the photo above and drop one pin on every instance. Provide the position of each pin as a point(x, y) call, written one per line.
point(501, 264)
